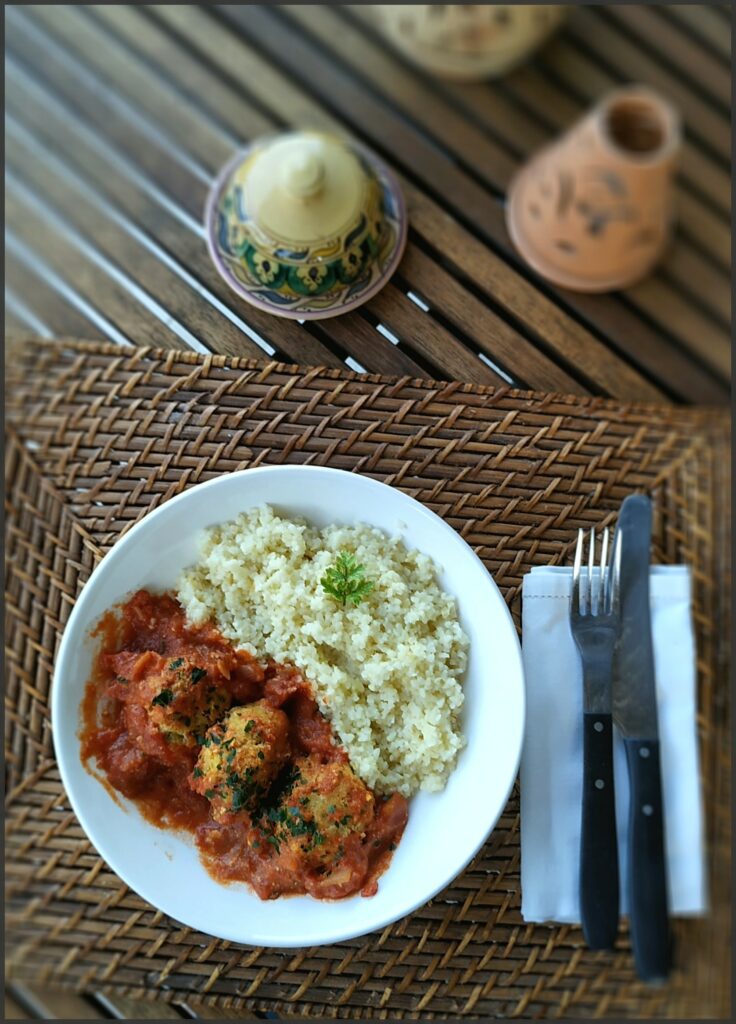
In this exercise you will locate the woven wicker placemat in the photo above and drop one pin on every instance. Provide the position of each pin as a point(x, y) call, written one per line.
point(98, 436)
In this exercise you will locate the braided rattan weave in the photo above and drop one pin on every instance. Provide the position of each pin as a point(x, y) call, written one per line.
point(97, 436)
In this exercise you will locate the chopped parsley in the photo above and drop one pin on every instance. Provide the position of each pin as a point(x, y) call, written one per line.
point(344, 580)
point(197, 773)
point(163, 699)
point(176, 664)
point(209, 793)
point(249, 725)
point(197, 674)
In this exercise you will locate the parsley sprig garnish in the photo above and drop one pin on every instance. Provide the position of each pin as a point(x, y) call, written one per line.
point(344, 580)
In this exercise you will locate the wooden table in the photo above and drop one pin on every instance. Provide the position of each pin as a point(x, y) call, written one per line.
point(119, 118)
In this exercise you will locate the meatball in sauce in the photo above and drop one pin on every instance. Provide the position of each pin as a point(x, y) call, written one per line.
point(203, 737)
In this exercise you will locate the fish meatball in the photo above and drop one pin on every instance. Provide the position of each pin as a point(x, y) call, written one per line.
point(241, 757)
point(180, 699)
point(325, 806)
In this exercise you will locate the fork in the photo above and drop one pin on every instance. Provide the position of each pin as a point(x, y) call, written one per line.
point(594, 621)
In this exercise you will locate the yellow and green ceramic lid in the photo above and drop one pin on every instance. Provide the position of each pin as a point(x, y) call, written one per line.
point(306, 224)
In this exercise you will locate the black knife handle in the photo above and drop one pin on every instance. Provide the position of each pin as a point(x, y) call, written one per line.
point(599, 896)
point(650, 933)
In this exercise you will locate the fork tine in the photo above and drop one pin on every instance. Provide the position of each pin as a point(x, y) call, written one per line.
point(604, 576)
point(592, 593)
point(616, 575)
point(576, 572)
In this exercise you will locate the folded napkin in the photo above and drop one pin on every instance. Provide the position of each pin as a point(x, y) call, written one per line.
point(552, 759)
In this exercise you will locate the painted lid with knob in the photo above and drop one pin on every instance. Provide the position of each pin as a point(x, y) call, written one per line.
point(306, 224)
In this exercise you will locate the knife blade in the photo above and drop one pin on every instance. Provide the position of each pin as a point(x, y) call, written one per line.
point(635, 714)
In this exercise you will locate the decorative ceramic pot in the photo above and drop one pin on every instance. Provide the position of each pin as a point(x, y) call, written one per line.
point(469, 41)
point(593, 211)
point(306, 225)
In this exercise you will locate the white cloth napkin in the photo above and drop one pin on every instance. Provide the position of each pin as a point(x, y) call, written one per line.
point(552, 758)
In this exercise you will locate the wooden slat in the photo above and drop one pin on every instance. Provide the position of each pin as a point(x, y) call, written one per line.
point(49, 306)
point(698, 333)
point(660, 301)
point(622, 324)
point(705, 23)
point(677, 48)
point(47, 1004)
point(596, 32)
point(207, 324)
point(491, 333)
point(488, 108)
point(682, 263)
point(123, 1008)
point(14, 324)
point(376, 65)
point(83, 275)
point(13, 1009)
point(202, 1011)
point(56, 127)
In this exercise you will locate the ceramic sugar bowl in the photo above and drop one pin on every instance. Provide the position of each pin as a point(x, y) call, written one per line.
point(469, 41)
point(593, 211)
point(305, 224)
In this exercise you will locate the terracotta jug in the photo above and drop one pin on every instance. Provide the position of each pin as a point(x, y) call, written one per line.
point(468, 41)
point(593, 211)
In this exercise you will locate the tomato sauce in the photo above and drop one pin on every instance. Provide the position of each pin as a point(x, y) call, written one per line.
point(157, 684)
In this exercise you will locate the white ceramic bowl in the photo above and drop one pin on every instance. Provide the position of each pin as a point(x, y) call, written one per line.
point(445, 829)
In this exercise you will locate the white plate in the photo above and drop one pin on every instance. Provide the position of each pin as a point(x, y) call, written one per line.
point(445, 829)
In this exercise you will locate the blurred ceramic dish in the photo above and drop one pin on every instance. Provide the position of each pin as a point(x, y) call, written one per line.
point(163, 866)
point(469, 41)
point(306, 225)
point(593, 211)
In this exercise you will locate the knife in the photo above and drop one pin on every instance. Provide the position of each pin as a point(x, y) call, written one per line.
point(635, 714)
